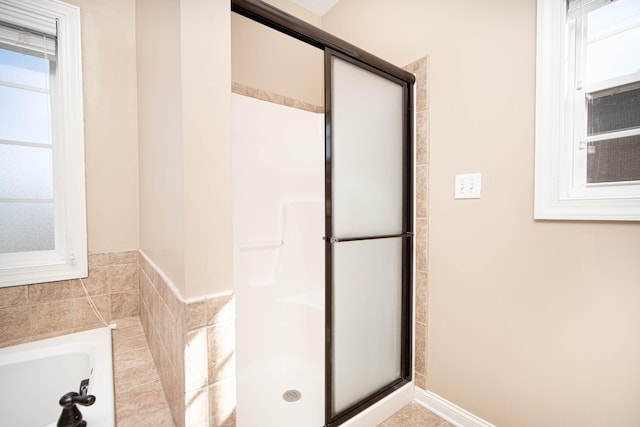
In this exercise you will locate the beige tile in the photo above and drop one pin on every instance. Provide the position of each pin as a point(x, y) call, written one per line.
point(414, 415)
point(149, 396)
point(420, 348)
point(421, 296)
point(221, 343)
point(14, 323)
point(51, 291)
point(128, 327)
point(169, 297)
point(197, 407)
point(14, 296)
point(124, 257)
point(220, 310)
point(422, 174)
point(196, 360)
point(196, 314)
point(173, 386)
point(420, 381)
point(51, 317)
point(131, 357)
point(98, 281)
point(135, 342)
point(421, 245)
point(123, 277)
point(422, 138)
point(154, 417)
point(126, 379)
point(83, 314)
point(16, 341)
point(125, 304)
point(98, 259)
point(222, 404)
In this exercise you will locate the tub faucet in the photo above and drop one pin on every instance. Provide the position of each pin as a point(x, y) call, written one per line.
point(71, 415)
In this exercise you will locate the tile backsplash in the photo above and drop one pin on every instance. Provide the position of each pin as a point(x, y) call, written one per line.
point(44, 310)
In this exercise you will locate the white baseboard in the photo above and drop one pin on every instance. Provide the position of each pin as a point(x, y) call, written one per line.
point(382, 410)
point(447, 410)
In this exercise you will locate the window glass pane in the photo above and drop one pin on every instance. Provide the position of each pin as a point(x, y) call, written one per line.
point(367, 312)
point(24, 115)
point(26, 227)
point(613, 109)
point(24, 69)
point(614, 160)
point(25, 172)
point(613, 41)
point(614, 56)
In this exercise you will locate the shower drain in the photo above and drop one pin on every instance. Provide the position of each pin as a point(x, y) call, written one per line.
point(291, 395)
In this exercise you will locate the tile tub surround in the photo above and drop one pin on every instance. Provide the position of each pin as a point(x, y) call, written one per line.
point(193, 346)
point(140, 399)
point(44, 310)
point(421, 271)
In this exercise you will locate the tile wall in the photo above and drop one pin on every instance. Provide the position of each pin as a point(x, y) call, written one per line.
point(44, 310)
point(193, 346)
point(420, 68)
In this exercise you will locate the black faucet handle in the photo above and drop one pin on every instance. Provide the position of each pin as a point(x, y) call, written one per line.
point(72, 398)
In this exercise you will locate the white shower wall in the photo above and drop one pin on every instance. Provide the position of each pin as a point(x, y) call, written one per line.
point(278, 188)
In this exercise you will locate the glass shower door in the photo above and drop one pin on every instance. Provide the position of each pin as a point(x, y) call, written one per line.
point(368, 235)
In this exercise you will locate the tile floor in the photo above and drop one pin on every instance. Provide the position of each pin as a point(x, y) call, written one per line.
point(414, 415)
point(140, 400)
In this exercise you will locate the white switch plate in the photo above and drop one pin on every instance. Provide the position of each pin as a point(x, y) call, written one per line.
point(468, 186)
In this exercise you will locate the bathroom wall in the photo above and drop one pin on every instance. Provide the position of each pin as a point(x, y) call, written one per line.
point(110, 123)
point(111, 169)
point(266, 59)
point(44, 310)
point(184, 89)
point(193, 346)
point(529, 322)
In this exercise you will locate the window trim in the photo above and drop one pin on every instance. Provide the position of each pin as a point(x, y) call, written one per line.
point(69, 258)
point(555, 195)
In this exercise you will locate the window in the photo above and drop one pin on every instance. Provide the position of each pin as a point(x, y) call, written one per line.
point(588, 110)
point(42, 202)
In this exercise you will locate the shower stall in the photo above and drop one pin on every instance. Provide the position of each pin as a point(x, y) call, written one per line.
point(323, 237)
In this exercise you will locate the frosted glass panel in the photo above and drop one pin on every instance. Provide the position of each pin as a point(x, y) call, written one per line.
point(367, 291)
point(25, 172)
point(26, 227)
point(24, 115)
point(366, 152)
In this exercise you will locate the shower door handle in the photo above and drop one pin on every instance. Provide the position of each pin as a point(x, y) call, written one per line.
point(334, 239)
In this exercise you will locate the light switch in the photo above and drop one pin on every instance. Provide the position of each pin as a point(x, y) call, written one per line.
point(468, 186)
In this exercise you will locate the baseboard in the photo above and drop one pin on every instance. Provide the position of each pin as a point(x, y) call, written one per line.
point(447, 410)
point(383, 409)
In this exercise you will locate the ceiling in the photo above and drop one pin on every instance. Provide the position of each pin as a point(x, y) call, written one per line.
point(318, 7)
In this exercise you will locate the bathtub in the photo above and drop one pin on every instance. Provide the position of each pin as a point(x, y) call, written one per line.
point(35, 375)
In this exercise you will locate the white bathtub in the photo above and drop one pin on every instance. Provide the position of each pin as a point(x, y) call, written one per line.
point(34, 376)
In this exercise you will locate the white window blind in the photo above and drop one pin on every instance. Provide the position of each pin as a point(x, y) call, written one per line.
point(578, 7)
point(29, 32)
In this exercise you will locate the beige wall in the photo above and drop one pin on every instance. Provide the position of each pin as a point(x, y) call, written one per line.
point(530, 322)
point(110, 123)
point(184, 89)
point(160, 135)
point(266, 59)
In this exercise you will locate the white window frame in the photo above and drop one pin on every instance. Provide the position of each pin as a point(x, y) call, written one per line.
point(68, 260)
point(560, 188)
